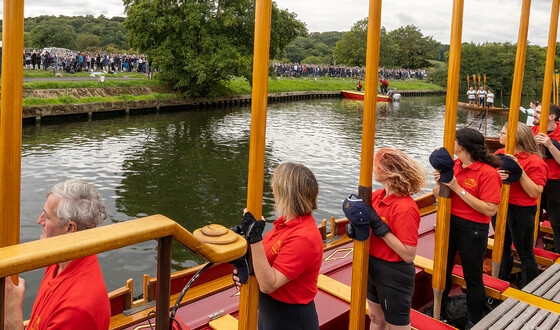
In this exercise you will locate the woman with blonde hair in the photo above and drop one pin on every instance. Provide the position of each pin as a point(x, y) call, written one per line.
point(394, 219)
point(522, 205)
point(287, 260)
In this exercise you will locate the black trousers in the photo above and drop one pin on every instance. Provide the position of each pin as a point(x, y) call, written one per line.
point(470, 240)
point(520, 230)
point(550, 201)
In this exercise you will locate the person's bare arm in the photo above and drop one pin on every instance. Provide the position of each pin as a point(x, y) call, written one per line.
point(486, 208)
point(545, 140)
point(406, 252)
point(13, 301)
point(268, 277)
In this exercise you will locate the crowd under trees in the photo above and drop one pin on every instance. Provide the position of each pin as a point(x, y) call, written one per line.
point(198, 46)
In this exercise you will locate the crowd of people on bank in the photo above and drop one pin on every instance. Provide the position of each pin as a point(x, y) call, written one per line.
point(72, 61)
point(338, 71)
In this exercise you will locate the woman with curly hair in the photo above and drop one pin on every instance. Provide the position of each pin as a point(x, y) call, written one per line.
point(394, 219)
point(475, 197)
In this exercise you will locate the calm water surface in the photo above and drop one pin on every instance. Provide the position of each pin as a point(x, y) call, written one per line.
point(192, 166)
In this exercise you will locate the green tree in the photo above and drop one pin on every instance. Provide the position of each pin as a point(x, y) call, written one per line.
point(387, 48)
point(48, 35)
point(415, 49)
point(351, 49)
point(200, 45)
point(317, 46)
point(88, 42)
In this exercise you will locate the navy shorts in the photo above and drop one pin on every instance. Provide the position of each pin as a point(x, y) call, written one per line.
point(391, 284)
point(277, 315)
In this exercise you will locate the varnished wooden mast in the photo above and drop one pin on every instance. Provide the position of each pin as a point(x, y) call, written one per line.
point(549, 66)
point(248, 302)
point(10, 127)
point(10, 121)
point(444, 200)
point(361, 249)
point(516, 91)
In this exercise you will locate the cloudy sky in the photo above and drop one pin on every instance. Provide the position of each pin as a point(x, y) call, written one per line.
point(484, 20)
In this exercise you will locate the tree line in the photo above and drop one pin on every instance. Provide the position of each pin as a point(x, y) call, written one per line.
point(83, 33)
point(200, 45)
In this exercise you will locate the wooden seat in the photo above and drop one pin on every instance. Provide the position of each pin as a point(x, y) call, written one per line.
point(543, 257)
point(494, 287)
point(545, 227)
point(343, 291)
point(226, 322)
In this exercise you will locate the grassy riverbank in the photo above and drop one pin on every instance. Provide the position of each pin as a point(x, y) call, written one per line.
point(41, 80)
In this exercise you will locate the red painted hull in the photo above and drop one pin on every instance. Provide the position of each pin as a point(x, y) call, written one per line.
point(355, 95)
point(333, 312)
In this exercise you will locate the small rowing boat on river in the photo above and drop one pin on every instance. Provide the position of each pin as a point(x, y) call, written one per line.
point(355, 95)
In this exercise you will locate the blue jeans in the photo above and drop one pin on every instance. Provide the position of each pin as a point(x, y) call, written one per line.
point(470, 239)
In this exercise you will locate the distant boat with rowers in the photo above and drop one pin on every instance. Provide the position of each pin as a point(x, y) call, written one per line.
point(463, 105)
point(355, 95)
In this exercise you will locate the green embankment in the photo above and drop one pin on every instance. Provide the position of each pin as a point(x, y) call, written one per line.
point(46, 80)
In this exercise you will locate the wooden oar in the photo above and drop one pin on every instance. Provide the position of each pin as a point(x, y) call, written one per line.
point(557, 80)
point(479, 84)
point(249, 299)
point(10, 127)
point(545, 105)
point(361, 248)
point(444, 199)
point(549, 66)
point(468, 83)
point(485, 95)
point(474, 81)
point(516, 91)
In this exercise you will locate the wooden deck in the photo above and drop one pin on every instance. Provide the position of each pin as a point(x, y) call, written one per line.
point(537, 306)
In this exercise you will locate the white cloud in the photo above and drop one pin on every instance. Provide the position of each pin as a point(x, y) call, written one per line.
point(483, 20)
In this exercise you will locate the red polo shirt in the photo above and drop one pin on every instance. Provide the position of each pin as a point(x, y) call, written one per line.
point(295, 248)
point(402, 216)
point(75, 299)
point(480, 180)
point(536, 169)
point(553, 166)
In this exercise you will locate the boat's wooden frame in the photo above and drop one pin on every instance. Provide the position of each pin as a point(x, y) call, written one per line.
point(467, 106)
point(16, 258)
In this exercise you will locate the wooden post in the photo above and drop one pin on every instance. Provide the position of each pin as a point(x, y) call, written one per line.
point(516, 91)
point(10, 124)
point(249, 299)
point(163, 283)
point(361, 248)
point(549, 66)
point(444, 199)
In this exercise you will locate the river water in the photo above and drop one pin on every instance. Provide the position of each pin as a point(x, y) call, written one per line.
point(192, 166)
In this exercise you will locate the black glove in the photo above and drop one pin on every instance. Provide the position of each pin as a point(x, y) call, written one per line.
point(251, 228)
point(242, 269)
point(254, 233)
point(377, 225)
point(246, 222)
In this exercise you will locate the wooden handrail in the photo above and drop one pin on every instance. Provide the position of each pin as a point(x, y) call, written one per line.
point(24, 257)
